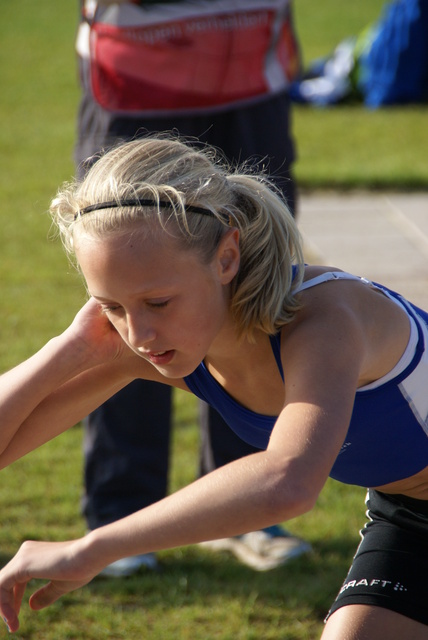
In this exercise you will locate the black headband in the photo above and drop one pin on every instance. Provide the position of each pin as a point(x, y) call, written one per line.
point(141, 203)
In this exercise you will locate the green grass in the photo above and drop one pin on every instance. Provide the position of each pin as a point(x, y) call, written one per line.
point(346, 147)
point(196, 595)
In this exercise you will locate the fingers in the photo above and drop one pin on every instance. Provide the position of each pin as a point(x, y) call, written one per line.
point(10, 601)
point(53, 591)
point(59, 562)
point(11, 620)
point(10, 605)
point(48, 594)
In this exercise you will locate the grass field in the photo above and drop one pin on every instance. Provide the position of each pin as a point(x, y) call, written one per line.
point(196, 595)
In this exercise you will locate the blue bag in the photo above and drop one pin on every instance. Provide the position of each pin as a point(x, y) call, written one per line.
point(392, 60)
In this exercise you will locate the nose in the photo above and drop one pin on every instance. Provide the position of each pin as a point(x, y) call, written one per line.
point(140, 330)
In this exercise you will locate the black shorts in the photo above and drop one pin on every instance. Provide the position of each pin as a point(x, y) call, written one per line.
point(390, 568)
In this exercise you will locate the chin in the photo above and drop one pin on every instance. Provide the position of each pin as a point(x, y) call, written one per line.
point(176, 371)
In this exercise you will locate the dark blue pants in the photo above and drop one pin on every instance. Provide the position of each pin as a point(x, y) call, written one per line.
point(127, 439)
point(127, 446)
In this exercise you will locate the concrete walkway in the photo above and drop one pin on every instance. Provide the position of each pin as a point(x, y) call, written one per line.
point(383, 237)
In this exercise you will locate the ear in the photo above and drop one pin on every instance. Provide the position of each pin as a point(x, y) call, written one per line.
point(228, 256)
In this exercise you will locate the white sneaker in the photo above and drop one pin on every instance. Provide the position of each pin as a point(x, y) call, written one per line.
point(262, 550)
point(129, 566)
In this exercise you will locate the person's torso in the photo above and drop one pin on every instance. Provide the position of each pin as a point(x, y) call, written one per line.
point(387, 436)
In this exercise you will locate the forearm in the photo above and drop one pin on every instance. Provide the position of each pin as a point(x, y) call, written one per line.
point(24, 387)
point(52, 391)
point(248, 494)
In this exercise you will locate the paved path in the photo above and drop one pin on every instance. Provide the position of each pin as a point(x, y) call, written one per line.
point(383, 237)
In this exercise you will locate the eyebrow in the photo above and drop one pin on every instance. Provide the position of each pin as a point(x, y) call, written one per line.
point(148, 294)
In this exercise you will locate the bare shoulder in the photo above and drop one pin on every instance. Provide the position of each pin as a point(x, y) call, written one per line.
point(353, 320)
point(328, 304)
point(354, 294)
point(327, 336)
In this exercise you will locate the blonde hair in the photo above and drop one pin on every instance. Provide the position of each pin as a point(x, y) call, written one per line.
point(173, 173)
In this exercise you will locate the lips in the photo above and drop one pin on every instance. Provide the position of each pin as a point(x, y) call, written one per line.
point(160, 357)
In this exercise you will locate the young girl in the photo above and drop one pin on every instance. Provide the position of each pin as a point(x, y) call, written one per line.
point(188, 266)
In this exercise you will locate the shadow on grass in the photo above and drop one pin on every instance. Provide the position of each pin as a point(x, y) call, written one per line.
point(197, 580)
point(193, 576)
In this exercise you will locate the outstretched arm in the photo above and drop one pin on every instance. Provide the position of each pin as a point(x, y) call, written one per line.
point(227, 502)
point(248, 494)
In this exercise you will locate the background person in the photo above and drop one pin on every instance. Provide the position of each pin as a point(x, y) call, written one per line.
point(129, 88)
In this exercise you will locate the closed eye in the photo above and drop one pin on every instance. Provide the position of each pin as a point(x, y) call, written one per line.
point(110, 308)
point(154, 304)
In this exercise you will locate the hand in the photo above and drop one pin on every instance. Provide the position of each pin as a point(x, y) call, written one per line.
point(92, 329)
point(62, 563)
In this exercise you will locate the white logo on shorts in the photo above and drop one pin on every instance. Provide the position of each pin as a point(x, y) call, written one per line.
point(375, 582)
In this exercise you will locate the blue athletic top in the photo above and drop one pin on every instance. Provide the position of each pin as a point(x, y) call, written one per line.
point(387, 439)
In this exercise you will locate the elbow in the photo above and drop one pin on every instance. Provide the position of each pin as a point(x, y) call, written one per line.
point(291, 501)
point(290, 495)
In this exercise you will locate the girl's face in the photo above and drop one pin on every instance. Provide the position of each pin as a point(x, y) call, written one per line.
point(166, 304)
